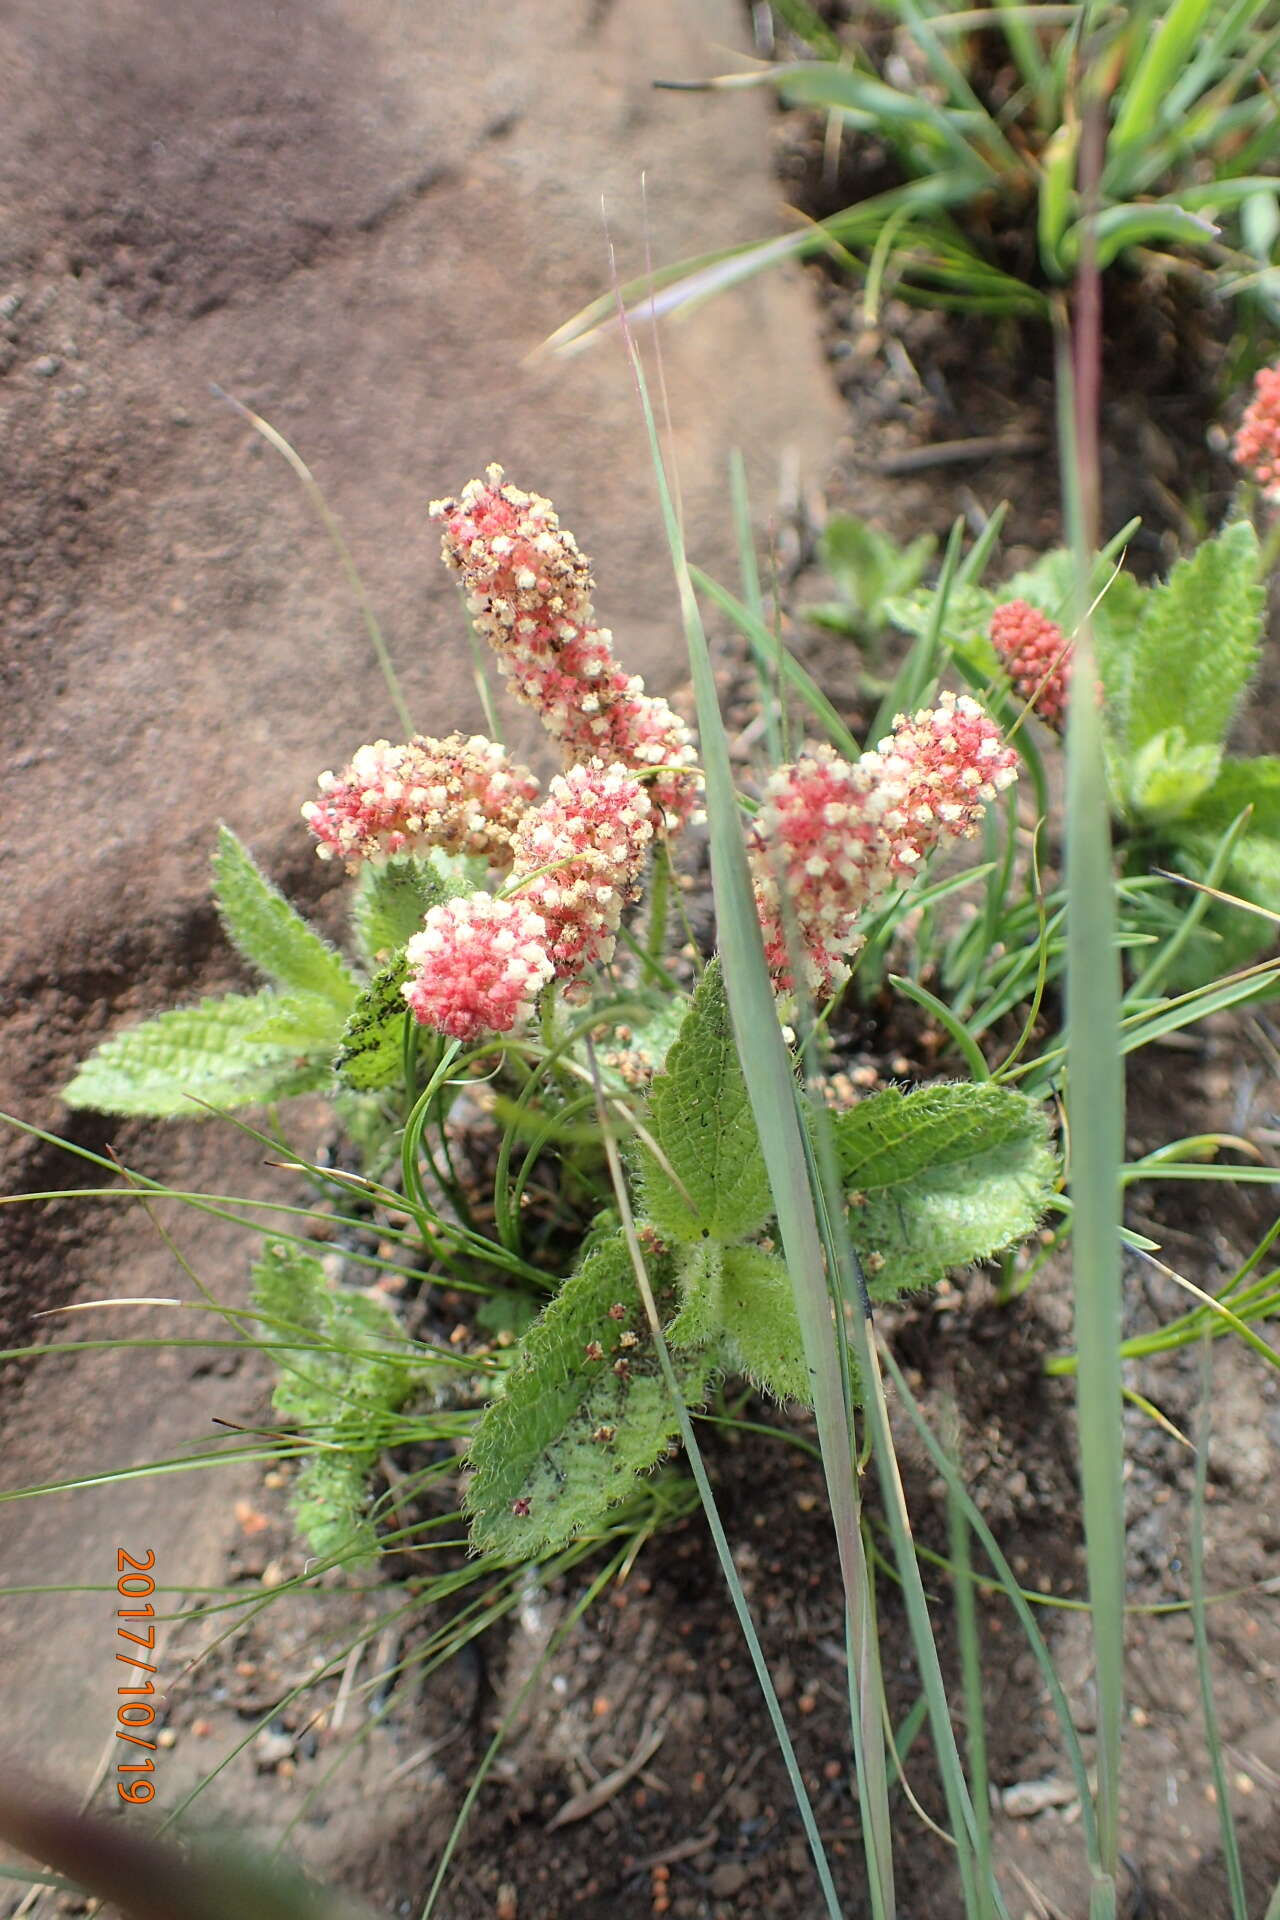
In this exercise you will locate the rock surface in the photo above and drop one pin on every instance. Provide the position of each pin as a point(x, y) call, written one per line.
point(359, 219)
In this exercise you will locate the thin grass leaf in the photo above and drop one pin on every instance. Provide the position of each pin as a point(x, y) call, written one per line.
point(772, 657)
point(769, 1079)
point(1163, 58)
point(1095, 1110)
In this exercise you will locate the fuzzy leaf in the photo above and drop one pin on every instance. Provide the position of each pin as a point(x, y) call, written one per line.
point(1241, 784)
point(699, 1275)
point(391, 902)
point(868, 567)
point(304, 1022)
point(570, 1434)
point(972, 1177)
point(1194, 654)
point(1229, 937)
point(964, 623)
point(1118, 608)
point(700, 1116)
point(371, 1053)
point(270, 934)
point(892, 1136)
point(762, 1336)
point(343, 1373)
point(213, 1052)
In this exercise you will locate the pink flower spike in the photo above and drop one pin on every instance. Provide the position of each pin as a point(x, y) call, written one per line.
point(462, 795)
point(529, 592)
point(1036, 655)
point(578, 860)
point(477, 966)
point(935, 774)
point(1257, 443)
point(819, 856)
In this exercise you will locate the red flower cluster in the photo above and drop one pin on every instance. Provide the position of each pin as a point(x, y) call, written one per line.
point(477, 966)
point(819, 856)
point(529, 591)
point(1036, 655)
point(833, 836)
point(578, 860)
point(1257, 443)
point(461, 795)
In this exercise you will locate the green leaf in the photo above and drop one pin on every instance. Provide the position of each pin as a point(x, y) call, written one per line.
point(941, 1177)
point(1140, 224)
point(1229, 937)
point(700, 1116)
point(762, 1336)
point(267, 932)
point(1117, 615)
point(344, 1371)
point(1168, 775)
point(1240, 784)
point(212, 1052)
point(699, 1274)
point(869, 567)
point(891, 1137)
point(371, 1053)
point(391, 902)
point(1194, 654)
point(304, 1022)
point(964, 623)
point(574, 1428)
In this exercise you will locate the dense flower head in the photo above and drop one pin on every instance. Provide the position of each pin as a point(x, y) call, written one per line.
point(935, 773)
point(1257, 442)
point(819, 856)
point(462, 795)
point(477, 966)
point(578, 860)
point(1036, 655)
point(833, 836)
point(529, 591)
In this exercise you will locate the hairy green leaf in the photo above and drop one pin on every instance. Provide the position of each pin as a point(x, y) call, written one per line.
point(1240, 784)
point(214, 1052)
point(1194, 654)
point(868, 567)
point(892, 1136)
point(1228, 937)
point(940, 1178)
point(585, 1410)
point(699, 1276)
point(700, 1116)
point(270, 934)
point(305, 1022)
point(761, 1326)
point(344, 1372)
point(965, 620)
point(391, 901)
point(371, 1054)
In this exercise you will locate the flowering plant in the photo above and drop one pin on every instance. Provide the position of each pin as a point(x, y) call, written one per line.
point(1175, 663)
point(488, 918)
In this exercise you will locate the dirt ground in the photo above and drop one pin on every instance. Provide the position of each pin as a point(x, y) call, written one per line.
point(359, 219)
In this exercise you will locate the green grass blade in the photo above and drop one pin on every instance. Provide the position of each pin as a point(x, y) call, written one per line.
point(768, 1072)
point(1095, 1107)
point(771, 657)
point(1165, 55)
